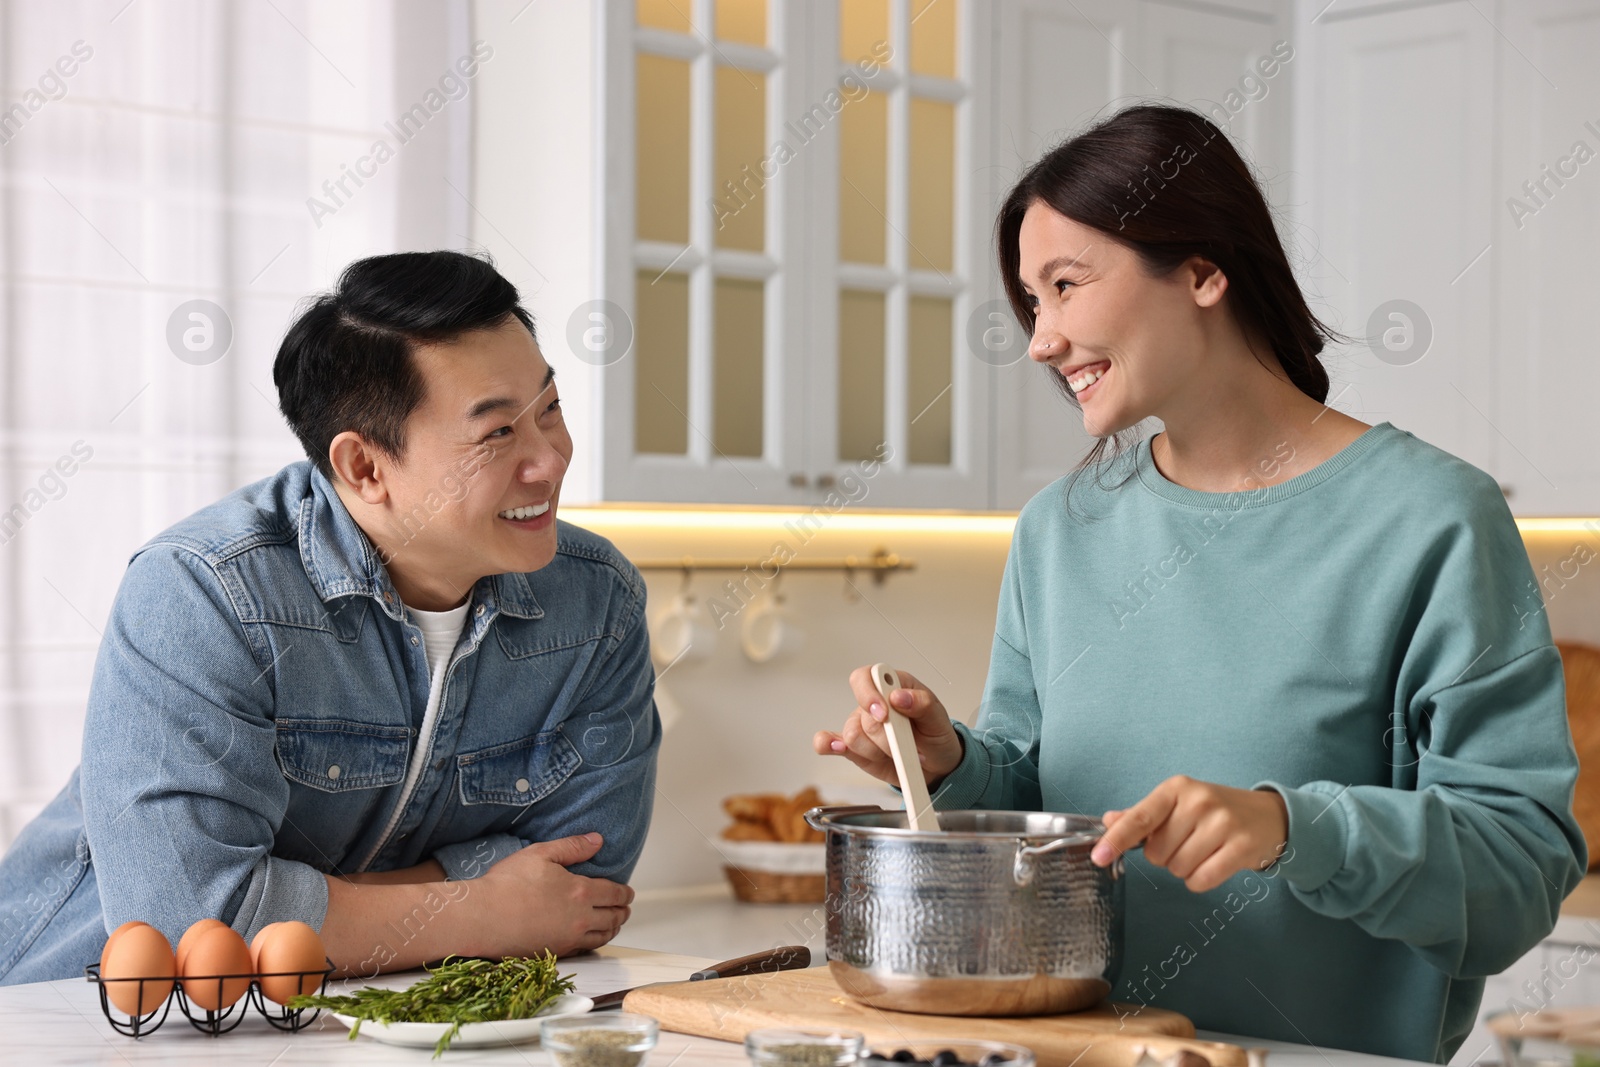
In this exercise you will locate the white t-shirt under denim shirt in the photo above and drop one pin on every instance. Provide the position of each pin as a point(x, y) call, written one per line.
point(440, 632)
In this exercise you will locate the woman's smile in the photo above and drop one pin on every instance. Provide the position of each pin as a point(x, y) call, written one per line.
point(1085, 376)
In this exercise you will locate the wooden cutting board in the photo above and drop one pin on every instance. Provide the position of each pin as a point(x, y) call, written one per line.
point(1103, 1036)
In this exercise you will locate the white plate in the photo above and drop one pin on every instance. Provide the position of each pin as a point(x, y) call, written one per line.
point(472, 1035)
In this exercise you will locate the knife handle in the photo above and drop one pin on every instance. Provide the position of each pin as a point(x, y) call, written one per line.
point(787, 958)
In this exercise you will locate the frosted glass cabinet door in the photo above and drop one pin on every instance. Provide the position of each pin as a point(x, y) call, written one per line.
point(701, 225)
point(800, 197)
point(906, 185)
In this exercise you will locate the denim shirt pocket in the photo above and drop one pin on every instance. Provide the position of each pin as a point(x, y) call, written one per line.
point(518, 772)
point(336, 755)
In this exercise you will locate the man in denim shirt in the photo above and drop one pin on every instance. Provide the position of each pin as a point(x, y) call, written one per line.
point(383, 692)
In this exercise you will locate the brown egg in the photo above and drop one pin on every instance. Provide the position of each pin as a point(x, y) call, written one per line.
point(288, 947)
point(255, 943)
point(116, 934)
point(191, 935)
point(262, 936)
point(137, 950)
point(216, 951)
point(105, 953)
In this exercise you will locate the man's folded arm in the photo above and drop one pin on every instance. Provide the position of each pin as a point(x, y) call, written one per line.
point(182, 793)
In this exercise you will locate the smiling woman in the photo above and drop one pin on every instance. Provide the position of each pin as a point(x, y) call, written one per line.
point(1155, 186)
point(1279, 645)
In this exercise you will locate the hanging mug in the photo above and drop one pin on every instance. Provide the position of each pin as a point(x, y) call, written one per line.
point(682, 632)
point(768, 630)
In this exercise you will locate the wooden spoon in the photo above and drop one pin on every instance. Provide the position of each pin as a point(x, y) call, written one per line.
point(903, 745)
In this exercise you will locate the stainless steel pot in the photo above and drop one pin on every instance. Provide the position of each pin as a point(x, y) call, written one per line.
point(997, 913)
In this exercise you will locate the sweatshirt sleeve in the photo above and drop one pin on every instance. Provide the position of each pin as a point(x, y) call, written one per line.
point(1467, 856)
point(1000, 761)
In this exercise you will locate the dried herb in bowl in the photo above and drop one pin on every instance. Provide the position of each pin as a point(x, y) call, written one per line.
point(457, 991)
point(599, 1048)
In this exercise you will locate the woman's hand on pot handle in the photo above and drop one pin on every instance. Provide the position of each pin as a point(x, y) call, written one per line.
point(863, 741)
point(1202, 832)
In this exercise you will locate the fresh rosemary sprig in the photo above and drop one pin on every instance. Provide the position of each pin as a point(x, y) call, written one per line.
point(457, 991)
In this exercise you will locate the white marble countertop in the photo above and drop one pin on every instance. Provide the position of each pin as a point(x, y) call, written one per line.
point(60, 1022)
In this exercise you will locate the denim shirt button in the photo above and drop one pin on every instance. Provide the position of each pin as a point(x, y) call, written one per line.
point(522, 785)
point(479, 611)
point(334, 772)
point(413, 639)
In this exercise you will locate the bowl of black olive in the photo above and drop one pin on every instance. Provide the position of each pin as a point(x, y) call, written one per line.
point(953, 1054)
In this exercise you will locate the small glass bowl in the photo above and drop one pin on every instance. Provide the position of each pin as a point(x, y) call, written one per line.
point(611, 1039)
point(984, 1053)
point(778, 1047)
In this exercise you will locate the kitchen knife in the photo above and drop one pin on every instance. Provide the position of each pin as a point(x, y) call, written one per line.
point(787, 958)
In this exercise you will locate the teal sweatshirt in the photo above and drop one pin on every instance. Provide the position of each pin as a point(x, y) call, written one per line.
point(1365, 638)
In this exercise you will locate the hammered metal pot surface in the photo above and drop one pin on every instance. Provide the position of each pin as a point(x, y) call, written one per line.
point(951, 923)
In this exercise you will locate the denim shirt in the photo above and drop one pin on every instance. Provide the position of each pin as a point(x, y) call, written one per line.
point(256, 699)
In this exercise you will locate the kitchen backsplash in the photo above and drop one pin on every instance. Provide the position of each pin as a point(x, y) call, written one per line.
point(735, 726)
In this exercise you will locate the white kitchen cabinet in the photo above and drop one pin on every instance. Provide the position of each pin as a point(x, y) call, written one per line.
point(1024, 76)
point(696, 324)
point(1546, 230)
point(1410, 170)
point(669, 273)
point(1399, 173)
point(896, 301)
point(1390, 146)
point(1468, 315)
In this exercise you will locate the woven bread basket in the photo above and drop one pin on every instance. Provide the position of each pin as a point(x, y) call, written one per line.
point(775, 872)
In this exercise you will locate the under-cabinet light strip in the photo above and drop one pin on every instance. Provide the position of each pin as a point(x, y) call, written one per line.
point(940, 522)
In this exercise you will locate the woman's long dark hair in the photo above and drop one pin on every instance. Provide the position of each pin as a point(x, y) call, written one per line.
point(1167, 182)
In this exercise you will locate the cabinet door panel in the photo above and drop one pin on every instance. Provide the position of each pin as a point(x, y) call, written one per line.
point(1060, 65)
point(1399, 164)
point(1235, 69)
point(697, 344)
point(902, 178)
point(1546, 231)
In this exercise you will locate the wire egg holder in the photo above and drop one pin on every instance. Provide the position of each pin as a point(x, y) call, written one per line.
point(204, 1019)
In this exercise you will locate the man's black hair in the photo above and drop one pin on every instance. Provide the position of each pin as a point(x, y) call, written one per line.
point(346, 363)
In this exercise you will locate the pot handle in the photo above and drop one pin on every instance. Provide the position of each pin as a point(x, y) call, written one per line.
point(815, 816)
point(1023, 867)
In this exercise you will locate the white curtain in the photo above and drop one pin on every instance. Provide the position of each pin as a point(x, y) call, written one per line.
point(155, 153)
